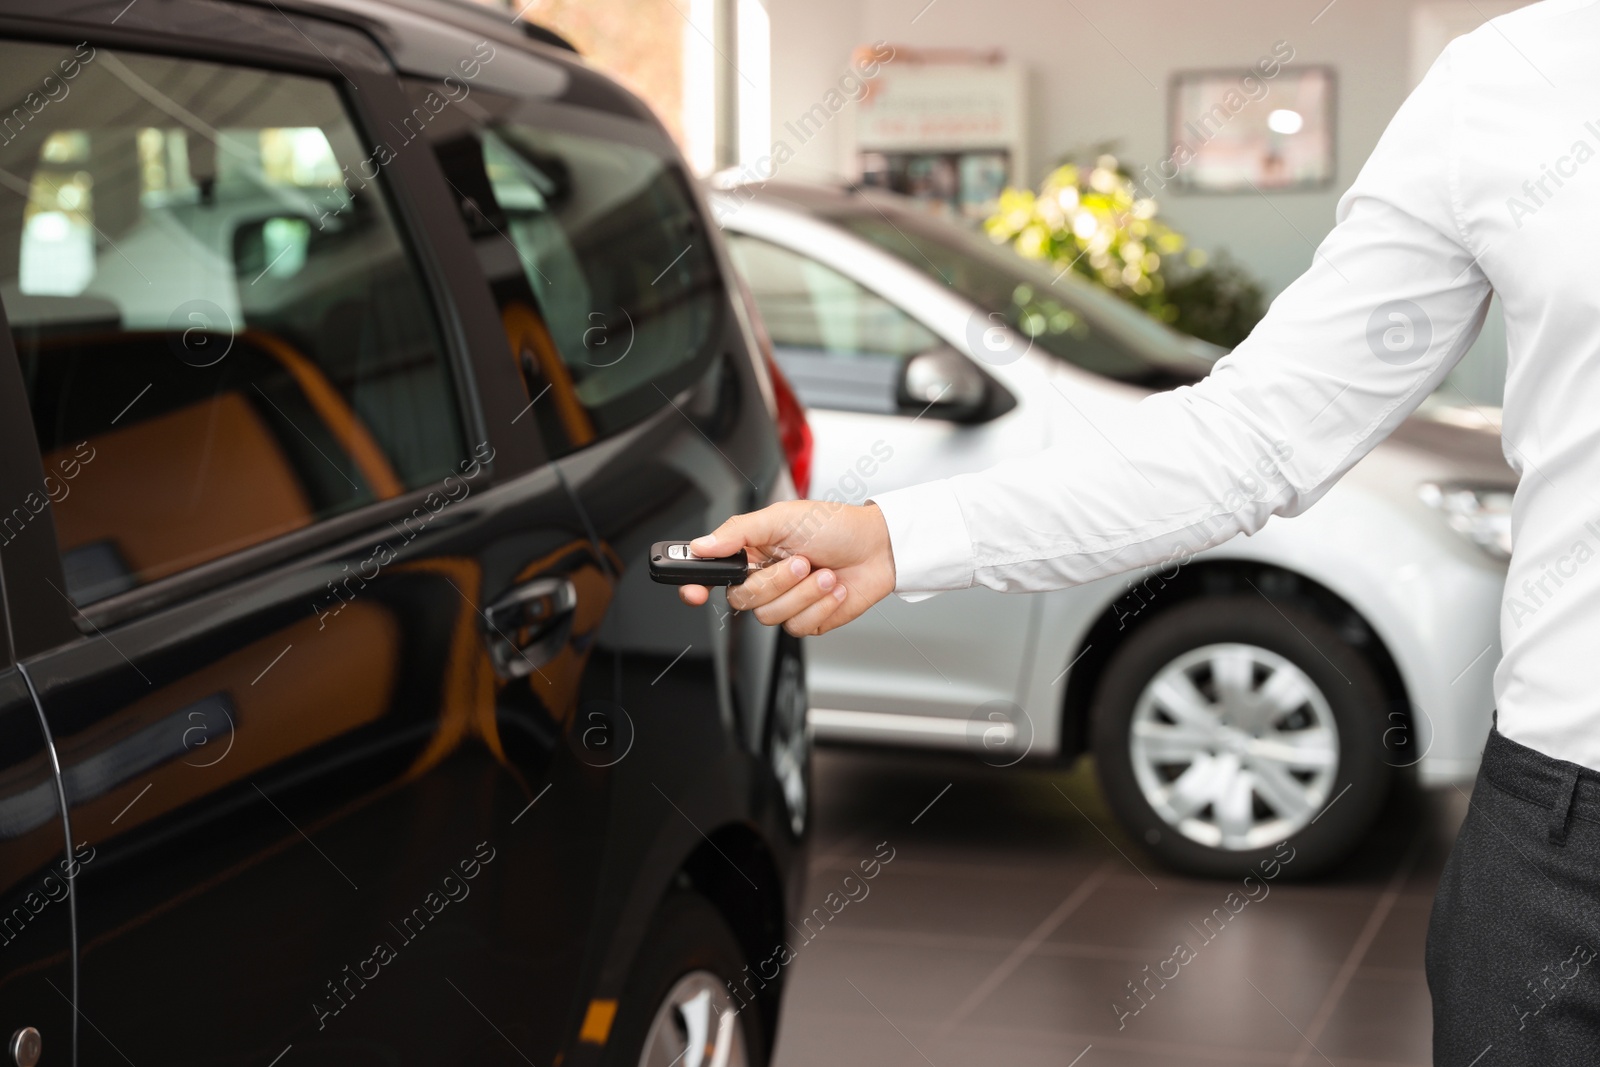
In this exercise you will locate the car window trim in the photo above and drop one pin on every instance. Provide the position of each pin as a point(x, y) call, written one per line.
point(174, 41)
point(493, 386)
point(257, 559)
point(50, 620)
point(418, 235)
point(21, 472)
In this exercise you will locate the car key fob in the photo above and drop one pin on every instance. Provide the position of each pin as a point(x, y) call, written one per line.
point(675, 563)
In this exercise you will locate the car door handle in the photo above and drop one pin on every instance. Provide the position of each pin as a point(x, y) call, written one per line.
point(25, 1047)
point(528, 627)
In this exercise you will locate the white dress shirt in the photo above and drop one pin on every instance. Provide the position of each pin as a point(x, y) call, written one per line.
point(1487, 180)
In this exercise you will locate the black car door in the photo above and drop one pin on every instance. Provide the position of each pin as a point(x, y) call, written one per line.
point(38, 861)
point(613, 290)
point(37, 871)
point(311, 661)
point(638, 372)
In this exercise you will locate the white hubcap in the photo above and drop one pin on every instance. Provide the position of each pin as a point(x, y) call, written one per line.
point(697, 1025)
point(1234, 746)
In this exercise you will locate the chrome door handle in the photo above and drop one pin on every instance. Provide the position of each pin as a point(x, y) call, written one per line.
point(25, 1047)
point(529, 626)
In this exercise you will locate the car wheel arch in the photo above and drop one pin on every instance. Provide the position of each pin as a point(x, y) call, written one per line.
point(756, 919)
point(1120, 619)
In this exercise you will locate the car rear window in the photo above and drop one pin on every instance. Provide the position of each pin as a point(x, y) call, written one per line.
point(608, 288)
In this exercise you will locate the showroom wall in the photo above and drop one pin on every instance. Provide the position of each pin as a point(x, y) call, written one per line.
point(1099, 72)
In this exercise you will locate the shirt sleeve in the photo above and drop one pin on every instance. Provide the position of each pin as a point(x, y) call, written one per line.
point(1392, 300)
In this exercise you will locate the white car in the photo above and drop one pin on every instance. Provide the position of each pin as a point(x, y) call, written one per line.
point(1271, 688)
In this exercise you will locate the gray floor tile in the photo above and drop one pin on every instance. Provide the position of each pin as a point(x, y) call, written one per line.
point(926, 969)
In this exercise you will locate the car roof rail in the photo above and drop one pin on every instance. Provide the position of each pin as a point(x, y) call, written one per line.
point(545, 35)
point(468, 8)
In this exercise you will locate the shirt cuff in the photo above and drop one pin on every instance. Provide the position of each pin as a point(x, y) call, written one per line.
point(928, 536)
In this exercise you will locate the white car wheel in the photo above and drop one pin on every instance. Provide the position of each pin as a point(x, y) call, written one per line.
point(1234, 746)
point(696, 1025)
point(1228, 726)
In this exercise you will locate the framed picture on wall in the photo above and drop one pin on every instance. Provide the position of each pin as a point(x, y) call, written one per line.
point(1236, 131)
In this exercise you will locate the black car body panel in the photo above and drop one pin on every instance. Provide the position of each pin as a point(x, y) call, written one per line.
point(397, 770)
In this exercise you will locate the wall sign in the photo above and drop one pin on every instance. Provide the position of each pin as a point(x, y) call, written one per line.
point(946, 127)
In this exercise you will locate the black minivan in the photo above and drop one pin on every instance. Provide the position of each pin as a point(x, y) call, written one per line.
point(356, 353)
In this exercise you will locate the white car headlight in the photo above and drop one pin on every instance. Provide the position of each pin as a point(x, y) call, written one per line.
point(1481, 515)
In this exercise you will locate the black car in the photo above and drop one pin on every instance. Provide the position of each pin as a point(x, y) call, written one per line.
point(356, 355)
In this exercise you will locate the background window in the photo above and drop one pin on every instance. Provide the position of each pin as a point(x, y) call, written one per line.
point(840, 344)
point(222, 335)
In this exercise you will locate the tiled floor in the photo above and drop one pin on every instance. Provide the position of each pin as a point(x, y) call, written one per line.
point(1008, 924)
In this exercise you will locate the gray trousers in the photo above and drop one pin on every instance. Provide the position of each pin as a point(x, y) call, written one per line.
point(1514, 940)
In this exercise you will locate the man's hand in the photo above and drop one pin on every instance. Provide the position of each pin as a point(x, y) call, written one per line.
point(832, 563)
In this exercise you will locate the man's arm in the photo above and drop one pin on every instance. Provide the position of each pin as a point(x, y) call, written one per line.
point(1393, 299)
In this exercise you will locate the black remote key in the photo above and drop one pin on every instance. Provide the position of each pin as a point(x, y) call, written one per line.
point(675, 563)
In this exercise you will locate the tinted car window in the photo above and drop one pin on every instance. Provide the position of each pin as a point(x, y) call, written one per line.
point(607, 284)
point(1088, 328)
point(841, 345)
point(223, 337)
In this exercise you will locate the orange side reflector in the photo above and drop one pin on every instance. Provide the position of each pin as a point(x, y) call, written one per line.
point(597, 1021)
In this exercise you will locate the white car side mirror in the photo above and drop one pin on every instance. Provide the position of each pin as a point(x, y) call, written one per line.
point(945, 383)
